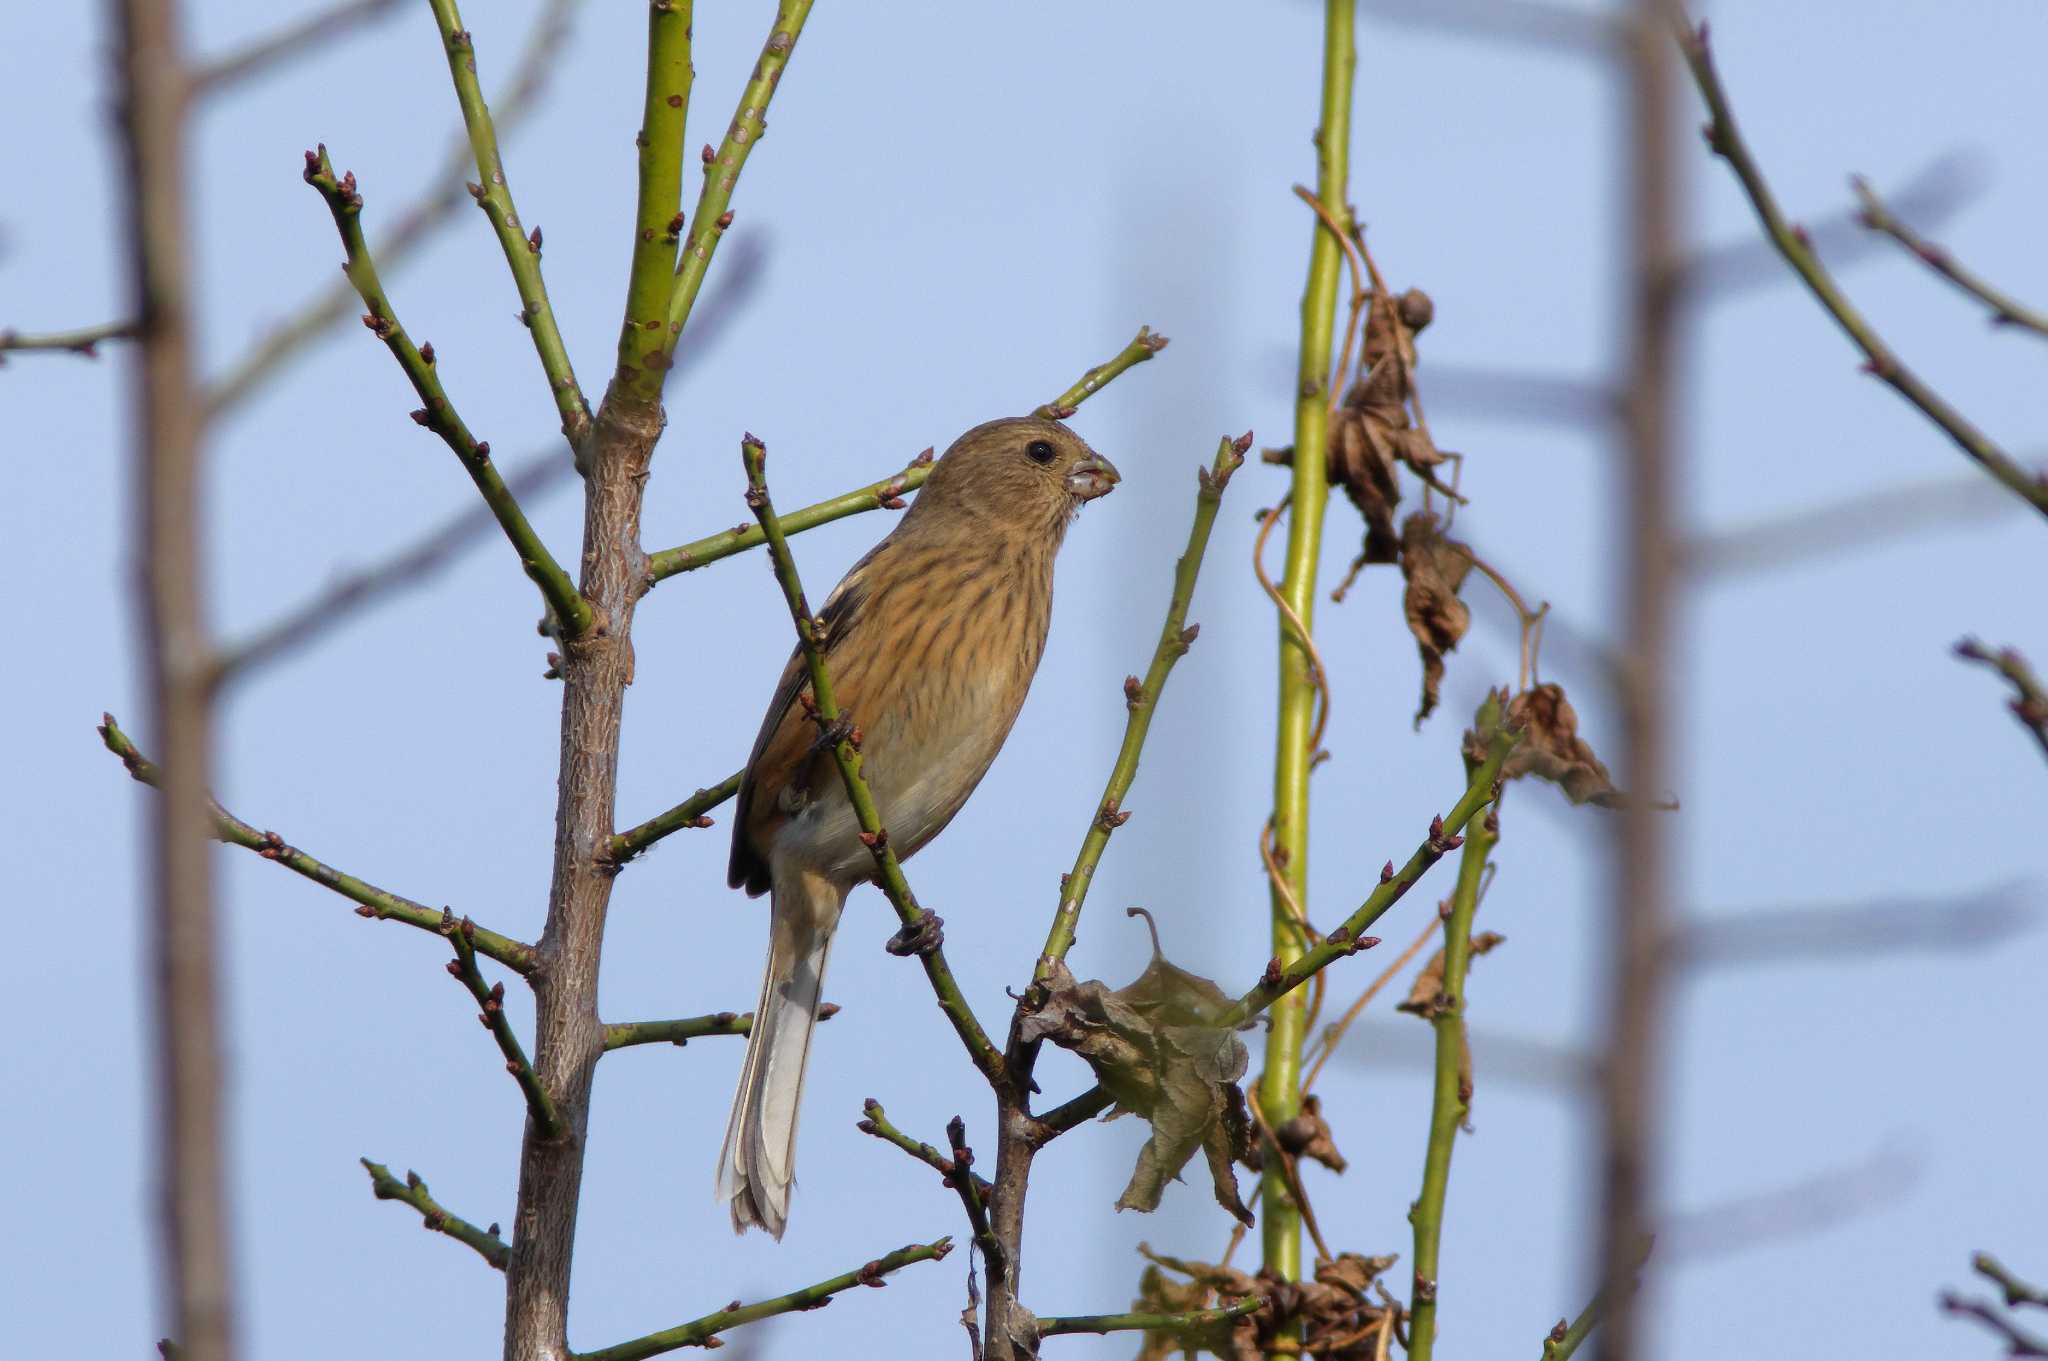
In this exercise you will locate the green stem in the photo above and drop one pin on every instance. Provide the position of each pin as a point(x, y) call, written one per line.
point(663, 121)
point(920, 928)
point(493, 194)
point(624, 846)
point(412, 1191)
point(1143, 347)
point(437, 413)
point(84, 340)
point(373, 902)
point(1451, 1100)
point(2005, 309)
point(1792, 243)
point(882, 495)
point(681, 1031)
point(701, 1331)
point(1280, 1091)
point(491, 997)
point(1143, 701)
point(643, 368)
point(1151, 1323)
point(2030, 699)
point(875, 1123)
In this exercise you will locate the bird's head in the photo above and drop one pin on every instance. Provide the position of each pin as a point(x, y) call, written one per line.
point(1026, 473)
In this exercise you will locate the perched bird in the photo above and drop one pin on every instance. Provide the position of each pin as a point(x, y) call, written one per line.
point(932, 640)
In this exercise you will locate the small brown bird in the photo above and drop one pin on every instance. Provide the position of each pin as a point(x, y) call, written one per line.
point(932, 640)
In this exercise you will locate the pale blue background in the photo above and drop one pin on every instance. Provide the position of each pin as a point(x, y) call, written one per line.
point(961, 206)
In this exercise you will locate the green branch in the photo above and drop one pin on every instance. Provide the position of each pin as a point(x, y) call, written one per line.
point(1151, 1323)
point(1280, 1090)
point(84, 340)
point(493, 194)
point(491, 997)
point(2005, 310)
point(373, 902)
point(1143, 701)
point(1792, 243)
point(624, 846)
point(681, 1031)
point(921, 930)
point(701, 1331)
point(412, 1191)
point(1142, 348)
point(883, 495)
point(644, 368)
point(2015, 1290)
point(1451, 1099)
point(437, 413)
point(657, 212)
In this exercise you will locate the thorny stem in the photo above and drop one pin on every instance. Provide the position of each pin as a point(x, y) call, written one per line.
point(437, 413)
point(1175, 637)
point(1151, 1323)
point(412, 1191)
point(2030, 700)
point(918, 924)
point(1794, 244)
point(701, 1331)
point(1280, 1090)
point(886, 494)
point(644, 370)
point(189, 1172)
point(1451, 1097)
point(657, 213)
point(375, 903)
point(491, 997)
point(2005, 310)
point(493, 194)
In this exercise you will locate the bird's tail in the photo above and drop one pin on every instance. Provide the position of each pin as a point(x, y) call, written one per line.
point(757, 1166)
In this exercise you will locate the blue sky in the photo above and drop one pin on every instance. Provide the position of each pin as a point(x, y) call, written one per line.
point(958, 208)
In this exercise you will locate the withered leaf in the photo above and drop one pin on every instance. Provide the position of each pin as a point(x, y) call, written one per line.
point(1551, 748)
point(1308, 1135)
point(1335, 1316)
point(1157, 1049)
point(1434, 568)
point(1427, 993)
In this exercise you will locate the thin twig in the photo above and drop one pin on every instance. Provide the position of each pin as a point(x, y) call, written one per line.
point(1792, 243)
point(438, 414)
point(1318, 674)
point(1142, 348)
point(2030, 700)
point(2015, 1290)
point(410, 228)
point(691, 812)
point(2005, 311)
point(681, 1031)
point(920, 928)
point(973, 1193)
point(1192, 1321)
point(491, 997)
point(700, 1331)
point(412, 1191)
point(875, 1123)
point(83, 340)
point(1142, 702)
point(1333, 1034)
point(2019, 1342)
point(292, 40)
point(1865, 518)
point(373, 902)
point(493, 193)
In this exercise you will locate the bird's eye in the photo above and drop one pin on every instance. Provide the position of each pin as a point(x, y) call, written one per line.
point(1039, 451)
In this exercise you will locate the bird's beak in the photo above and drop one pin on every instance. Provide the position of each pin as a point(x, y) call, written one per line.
point(1093, 476)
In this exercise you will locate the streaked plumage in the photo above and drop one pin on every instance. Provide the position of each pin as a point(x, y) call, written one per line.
point(932, 640)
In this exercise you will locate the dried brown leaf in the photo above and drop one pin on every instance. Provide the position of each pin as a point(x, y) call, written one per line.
point(1308, 1135)
point(1434, 568)
point(1157, 1049)
point(1551, 748)
point(1427, 992)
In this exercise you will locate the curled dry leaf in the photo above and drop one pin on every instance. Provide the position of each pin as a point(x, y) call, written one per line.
point(1156, 1048)
point(1434, 568)
point(1336, 1315)
point(1551, 748)
point(1308, 1135)
point(1427, 993)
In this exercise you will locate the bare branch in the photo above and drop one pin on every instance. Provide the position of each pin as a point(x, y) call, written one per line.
point(85, 340)
point(2005, 311)
point(291, 41)
point(2030, 700)
point(412, 1191)
point(491, 997)
point(681, 1031)
point(1862, 520)
point(1854, 930)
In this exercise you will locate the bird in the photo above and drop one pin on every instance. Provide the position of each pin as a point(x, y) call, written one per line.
point(931, 641)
